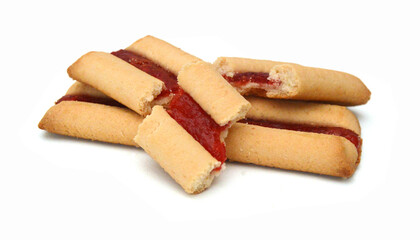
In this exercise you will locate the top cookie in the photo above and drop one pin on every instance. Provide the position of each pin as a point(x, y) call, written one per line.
point(292, 81)
point(117, 79)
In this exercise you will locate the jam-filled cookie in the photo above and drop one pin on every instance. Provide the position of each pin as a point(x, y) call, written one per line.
point(187, 139)
point(301, 136)
point(292, 81)
point(139, 77)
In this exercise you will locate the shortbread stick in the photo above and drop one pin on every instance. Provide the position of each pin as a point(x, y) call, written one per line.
point(338, 164)
point(285, 118)
point(292, 81)
point(272, 110)
point(182, 156)
point(117, 79)
point(193, 118)
point(291, 150)
point(92, 121)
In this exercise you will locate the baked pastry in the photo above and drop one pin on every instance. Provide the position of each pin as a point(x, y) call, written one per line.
point(84, 112)
point(117, 79)
point(248, 141)
point(187, 139)
point(292, 81)
point(309, 137)
point(92, 121)
point(178, 152)
point(152, 72)
point(139, 77)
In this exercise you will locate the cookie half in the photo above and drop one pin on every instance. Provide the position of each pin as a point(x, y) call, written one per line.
point(282, 80)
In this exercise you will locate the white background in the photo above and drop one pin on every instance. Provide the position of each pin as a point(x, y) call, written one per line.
point(54, 187)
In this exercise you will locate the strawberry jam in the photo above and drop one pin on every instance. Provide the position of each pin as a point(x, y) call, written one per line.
point(151, 68)
point(182, 108)
point(91, 99)
point(187, 112)
point(337, 131)
point(198, 124)
point(240, 79)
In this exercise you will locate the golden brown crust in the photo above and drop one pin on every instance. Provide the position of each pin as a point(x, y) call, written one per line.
point(300, 151)
point(325, 154)
point(316, 114)
point(213, 93)
point(299, 82)
point(324, 85)
point(117, 79)
point(177, 152)
point(92, 121)
point(162, 53)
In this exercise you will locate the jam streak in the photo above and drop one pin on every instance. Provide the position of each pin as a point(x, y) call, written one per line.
point(240, 79)
point(151, 68)
point(198, 124)
point(337, 131)
point(91, 99)
point(187, 112)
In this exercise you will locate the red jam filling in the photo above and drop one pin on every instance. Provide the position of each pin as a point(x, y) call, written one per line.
point(182, 107)
point(151, 68)
point(337, 131)
point(198, 124)
point(240, 79)
point(91, 99)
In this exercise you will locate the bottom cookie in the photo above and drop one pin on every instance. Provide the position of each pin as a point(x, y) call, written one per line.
point(281, 148)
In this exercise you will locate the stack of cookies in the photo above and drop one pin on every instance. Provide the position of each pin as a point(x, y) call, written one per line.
point(191, 116)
